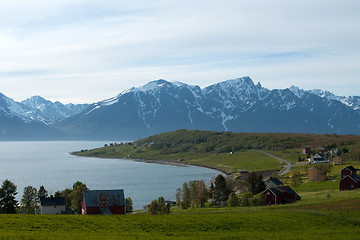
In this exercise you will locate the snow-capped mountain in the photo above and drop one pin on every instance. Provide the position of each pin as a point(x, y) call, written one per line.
point(49, 112)
point(30, 119)
point(236, 105)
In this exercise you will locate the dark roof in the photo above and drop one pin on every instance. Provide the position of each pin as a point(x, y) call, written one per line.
point(115, 197)
point(274, 180)
point(281, 190)
point(52, 201)
point(351, 168)
point(354, 177)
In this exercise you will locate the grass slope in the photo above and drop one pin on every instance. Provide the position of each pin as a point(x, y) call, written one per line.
point(313, 219)
point(212, 148)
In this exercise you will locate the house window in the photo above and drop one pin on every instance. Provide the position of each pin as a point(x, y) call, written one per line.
point(268, 193)
point(352, 186)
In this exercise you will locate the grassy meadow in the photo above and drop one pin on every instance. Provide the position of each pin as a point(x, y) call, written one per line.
point(315, 217)
point(213, 149)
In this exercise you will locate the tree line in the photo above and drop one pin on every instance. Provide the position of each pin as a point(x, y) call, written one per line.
point(220, 193)
point(30, 201)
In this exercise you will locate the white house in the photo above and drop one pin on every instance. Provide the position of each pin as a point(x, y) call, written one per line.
point(317, 158)
point(52, 205)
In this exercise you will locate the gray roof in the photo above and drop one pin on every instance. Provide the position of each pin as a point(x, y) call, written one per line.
point(115, 197)
point(52, 201)
point(354, 177)
point(281, 190)
point(351, 168)
point(274, 180)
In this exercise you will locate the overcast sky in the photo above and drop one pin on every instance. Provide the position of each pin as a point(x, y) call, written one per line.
point(86, 51)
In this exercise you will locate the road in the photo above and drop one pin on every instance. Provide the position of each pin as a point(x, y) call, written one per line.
point(288, 164)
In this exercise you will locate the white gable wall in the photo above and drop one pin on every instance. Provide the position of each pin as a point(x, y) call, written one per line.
point(54, 210)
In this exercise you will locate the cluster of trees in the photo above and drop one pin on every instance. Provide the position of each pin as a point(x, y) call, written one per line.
point(159, 206)
point(30, 200)
point(221, 192)
point(193, 193)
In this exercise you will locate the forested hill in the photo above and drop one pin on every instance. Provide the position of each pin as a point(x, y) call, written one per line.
point(219, 142)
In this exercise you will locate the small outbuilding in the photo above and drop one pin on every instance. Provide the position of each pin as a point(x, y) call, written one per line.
point(103, 202)
point(280, 195)
point(52, 205)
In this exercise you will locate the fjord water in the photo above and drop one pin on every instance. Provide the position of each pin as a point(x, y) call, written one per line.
point(51, 164)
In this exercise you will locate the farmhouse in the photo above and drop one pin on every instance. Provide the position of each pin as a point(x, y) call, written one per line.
point(337, 160)
point(315, 174)
point(273, 182)
point(317, 158)
point(52, 205)
point(350, 182)
point(306, 150)
point(103, 202)
point(280, 195)
point(349, 179)
point(349, 170)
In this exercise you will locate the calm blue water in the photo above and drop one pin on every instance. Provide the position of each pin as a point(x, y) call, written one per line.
point(51, 165)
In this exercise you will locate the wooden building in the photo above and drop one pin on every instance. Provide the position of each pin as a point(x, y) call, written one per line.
point(349, 170)
point(337, 160)
point(52, 205)
point(350, 182)
point(103, 202)
point(280, 195)
point(315, 174)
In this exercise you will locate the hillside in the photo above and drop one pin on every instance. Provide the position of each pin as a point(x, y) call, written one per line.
point(212, 149)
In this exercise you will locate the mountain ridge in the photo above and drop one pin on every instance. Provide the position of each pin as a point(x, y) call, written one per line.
point(236, 105)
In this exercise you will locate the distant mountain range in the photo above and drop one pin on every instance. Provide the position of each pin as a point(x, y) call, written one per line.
point(236, 105)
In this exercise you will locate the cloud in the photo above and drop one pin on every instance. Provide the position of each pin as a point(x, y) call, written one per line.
point(105, 47)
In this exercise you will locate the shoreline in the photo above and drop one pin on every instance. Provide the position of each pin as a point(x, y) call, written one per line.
point(180, 164)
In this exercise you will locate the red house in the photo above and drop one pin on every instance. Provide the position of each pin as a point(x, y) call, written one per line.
point(350, 182)
point(306, 150)
point(280, 195)
point(103, 202)
point(349, 170)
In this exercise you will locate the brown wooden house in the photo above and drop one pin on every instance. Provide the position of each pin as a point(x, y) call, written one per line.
point(350, 182)
point(337, 160)
point(280, 195)
point(349, 170)
point(315, 174)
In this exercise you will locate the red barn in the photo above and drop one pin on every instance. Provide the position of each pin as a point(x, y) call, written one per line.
point(103, 202)
point(280, 195)
point(347, 171)
point(350, 182)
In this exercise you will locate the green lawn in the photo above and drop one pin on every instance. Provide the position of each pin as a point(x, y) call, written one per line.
point(249, 160)
point(303, 220)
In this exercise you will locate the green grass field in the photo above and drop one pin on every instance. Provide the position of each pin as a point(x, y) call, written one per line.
point(314, 218)
point(249, 160)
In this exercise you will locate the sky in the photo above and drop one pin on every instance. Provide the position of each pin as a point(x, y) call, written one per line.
point(84, 51)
